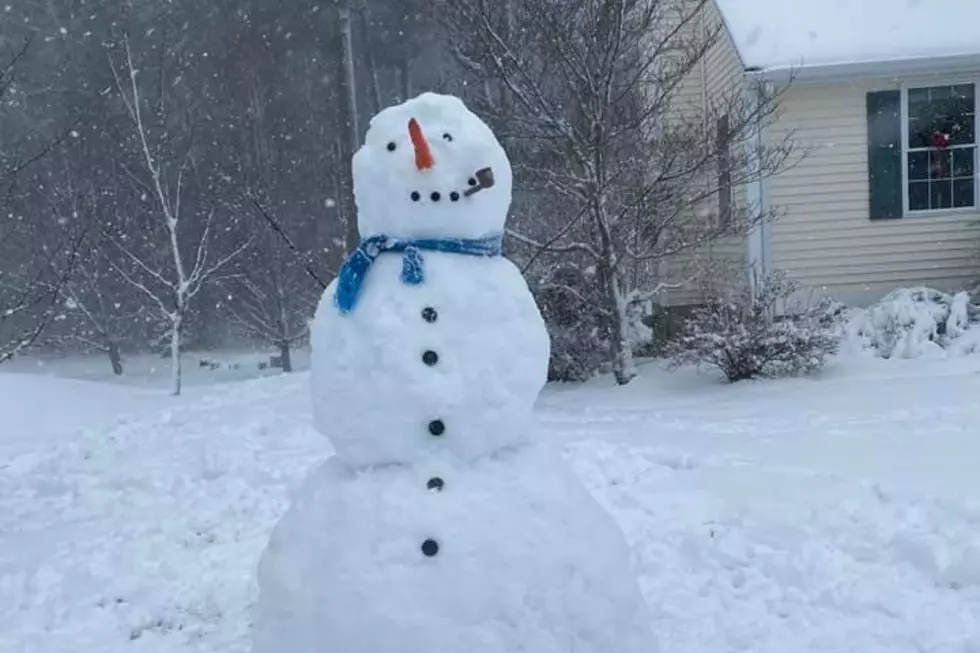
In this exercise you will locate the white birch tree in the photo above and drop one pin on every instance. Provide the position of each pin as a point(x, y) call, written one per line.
point(170, 289)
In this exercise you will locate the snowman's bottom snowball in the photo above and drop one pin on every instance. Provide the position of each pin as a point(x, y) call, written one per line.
point(527, 562)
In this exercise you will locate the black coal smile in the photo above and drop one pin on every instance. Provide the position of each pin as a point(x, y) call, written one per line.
point(481, 180)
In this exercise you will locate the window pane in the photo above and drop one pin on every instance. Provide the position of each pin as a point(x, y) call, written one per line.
point(940, 164)
point(918, 165)
point(918, 110)
point(918, 96)
point(940, 194)
point(947, 110)
point(963, 192)
point(918, 133)
point(919, 196)
point(958, 122)
point(962, 162)
point(964, 91)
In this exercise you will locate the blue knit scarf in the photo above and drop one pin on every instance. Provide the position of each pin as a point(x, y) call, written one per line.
point(355, 268)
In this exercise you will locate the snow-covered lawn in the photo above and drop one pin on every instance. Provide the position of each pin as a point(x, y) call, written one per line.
point(149, 371)
point(838, 514)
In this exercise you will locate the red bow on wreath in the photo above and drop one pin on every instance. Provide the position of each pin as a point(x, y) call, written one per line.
point(939, 140)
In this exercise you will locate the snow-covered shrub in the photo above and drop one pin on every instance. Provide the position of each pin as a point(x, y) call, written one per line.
point(913, 322)
point(760, 334)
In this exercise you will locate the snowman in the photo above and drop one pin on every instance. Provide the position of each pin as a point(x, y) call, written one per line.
point(438, 526)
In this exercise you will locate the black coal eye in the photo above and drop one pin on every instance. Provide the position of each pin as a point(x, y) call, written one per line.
point(392, 146)
point(448, 137)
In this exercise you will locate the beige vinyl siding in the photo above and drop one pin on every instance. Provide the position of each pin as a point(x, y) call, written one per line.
point(825, 239)
point(717, 76)
point(688, 95)
point(722, 67)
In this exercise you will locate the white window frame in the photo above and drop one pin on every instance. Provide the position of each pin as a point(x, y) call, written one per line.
point(909, 213)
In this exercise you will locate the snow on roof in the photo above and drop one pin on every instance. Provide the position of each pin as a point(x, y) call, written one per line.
point(783, 33)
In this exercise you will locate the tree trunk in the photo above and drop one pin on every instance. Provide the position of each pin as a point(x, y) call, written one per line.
point(175, 370)
point(508, 29)
point(352, 139)
point(371, 60)
point(405, 73)
point(286, 354)
point(350, 84)
point(624, 368)
point(115, 359)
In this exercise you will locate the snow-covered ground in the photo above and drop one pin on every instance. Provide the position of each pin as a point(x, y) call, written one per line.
point(150, 371)
point(834, 514)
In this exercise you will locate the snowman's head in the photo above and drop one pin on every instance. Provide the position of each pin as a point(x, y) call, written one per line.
point(429, 168)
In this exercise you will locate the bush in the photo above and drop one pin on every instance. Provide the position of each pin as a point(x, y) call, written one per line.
point(911, 322)
point(743, 336)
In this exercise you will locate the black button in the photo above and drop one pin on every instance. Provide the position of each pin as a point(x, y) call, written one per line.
point(430, 548)
point(430, 358)
point(437, 427)
point(416, 196)
point(436, 484)
point(429, 314)
point(435, 197)
point(454, 196)
point(471, 181)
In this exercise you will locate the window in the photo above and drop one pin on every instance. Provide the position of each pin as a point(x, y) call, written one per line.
point(940, 147)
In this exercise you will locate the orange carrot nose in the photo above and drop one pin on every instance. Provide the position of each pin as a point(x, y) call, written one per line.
point(423, 157)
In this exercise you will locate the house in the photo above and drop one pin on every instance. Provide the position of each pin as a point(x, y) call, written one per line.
point(883, 94)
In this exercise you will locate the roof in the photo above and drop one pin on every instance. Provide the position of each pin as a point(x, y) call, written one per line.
point(783, 34)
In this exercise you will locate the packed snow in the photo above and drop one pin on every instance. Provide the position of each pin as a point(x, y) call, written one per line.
point(490, 350)
point(515, 555)
point(437, 524)
point(457, 145)
point(779, 34)
point(838, 513)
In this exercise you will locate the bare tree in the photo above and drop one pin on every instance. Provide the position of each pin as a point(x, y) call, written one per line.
point(103, 315)
point(17, 157)
point(27, 306)
point(28, 249)
point(29, 292)
point(584, 91)
point(96, 311)
point(275, 288)
point(273, 297)
point(173, 288)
